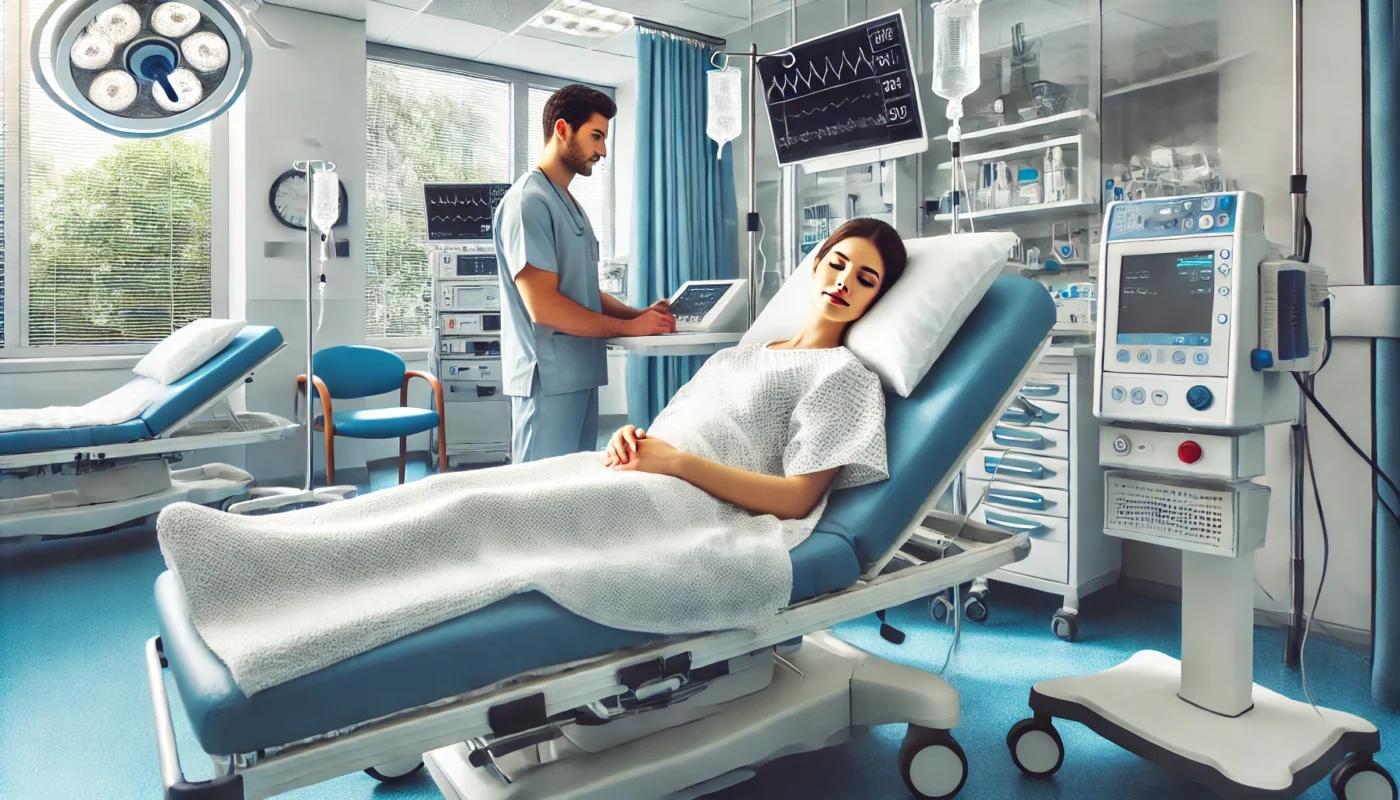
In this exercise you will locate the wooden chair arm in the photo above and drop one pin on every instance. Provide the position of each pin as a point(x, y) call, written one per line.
point(325, 395)
point(432, 381)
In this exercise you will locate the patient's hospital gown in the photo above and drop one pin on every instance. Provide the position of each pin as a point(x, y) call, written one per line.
point(279, 596)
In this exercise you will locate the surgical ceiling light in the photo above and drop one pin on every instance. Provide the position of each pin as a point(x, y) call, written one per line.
point(580, 18)
point(142, 68)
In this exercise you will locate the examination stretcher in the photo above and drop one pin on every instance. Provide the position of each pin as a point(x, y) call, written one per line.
point(524, 699)
point(85, 479)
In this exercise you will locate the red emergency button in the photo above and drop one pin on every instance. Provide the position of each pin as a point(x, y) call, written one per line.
point(1189, 452)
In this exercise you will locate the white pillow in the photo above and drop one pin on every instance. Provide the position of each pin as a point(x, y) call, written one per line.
point(187, 349)
point(901, 336)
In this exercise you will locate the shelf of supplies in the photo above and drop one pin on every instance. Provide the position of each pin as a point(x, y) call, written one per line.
point(1214, 66)
point(1055, 125)
point(1043, 210)
point(1007, 152)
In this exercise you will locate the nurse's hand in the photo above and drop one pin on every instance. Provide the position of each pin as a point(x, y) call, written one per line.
point(651, 322)
point(623, 445)
point(654, 456)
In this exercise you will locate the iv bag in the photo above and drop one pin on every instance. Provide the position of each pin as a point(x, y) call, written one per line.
point(325, 199)
point(956, 50)
point(724, 120)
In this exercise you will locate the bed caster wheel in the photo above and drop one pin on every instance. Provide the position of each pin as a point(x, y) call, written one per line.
point(1065, 625)
point(1036, 747)
point(395, 771)
point(932, 763)
point(975, 606)
point(1360, 778)
point(940, 607)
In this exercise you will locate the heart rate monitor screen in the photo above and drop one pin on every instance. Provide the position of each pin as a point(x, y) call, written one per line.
point(1167, 298)
point(695, 302)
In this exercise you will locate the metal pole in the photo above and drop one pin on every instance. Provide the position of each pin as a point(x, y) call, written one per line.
point(752, 221)
point(1293, 641)
point(310, 332)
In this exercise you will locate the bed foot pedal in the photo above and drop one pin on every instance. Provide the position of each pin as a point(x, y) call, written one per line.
point(224, 787)
point(889, 632)
point(518, 716)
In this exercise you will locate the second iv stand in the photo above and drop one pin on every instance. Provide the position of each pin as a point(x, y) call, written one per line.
point(752, 224)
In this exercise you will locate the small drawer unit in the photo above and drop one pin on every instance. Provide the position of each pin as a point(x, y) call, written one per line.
point(1037, 472)
point(467, 349)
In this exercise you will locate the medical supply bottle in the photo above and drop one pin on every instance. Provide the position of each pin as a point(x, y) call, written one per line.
point(1027, 187)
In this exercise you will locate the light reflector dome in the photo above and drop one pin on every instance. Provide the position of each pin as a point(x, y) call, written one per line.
point(141, 68)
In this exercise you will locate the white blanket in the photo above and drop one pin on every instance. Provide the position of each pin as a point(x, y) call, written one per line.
point(124, 404)
point(277, 597)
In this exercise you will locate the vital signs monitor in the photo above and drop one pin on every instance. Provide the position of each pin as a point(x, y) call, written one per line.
point(1180, 315)
point(716, 306)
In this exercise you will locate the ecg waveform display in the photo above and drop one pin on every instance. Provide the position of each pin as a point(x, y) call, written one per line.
point(461, 211)
point(846, 91)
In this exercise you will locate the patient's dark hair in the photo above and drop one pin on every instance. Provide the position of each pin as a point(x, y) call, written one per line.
point(575, 104)
point(887, 243)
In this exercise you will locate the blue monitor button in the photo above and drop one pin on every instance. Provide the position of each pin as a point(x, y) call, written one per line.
point(1201, 357)
point(1139, 397)
point(1199, 398)
point(1207, 203)
point(1144, 357)
point(1178, 357)
point(1225, 202)
point(1124, 357)
point(1118, 394)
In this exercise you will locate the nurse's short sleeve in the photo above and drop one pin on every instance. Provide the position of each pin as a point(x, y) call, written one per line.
point(527, 233)
point(839, 422)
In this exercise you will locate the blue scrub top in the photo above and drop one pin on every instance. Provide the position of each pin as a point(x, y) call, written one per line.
point(537, 223)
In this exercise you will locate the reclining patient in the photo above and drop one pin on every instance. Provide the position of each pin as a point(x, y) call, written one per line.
point(682, 528)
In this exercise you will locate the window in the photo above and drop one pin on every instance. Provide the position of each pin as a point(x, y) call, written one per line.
point(117, 231)
point(593, 193)
point(424, 125)
point(432, 118)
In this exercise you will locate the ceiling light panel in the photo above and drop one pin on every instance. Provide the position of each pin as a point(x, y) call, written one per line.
point(584, 19)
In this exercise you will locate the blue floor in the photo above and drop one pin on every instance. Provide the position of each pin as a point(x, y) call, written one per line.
point(75, 714)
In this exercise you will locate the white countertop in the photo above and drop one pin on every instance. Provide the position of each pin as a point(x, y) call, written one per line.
point(676, 344)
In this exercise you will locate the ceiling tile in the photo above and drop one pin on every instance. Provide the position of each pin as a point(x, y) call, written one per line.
point(410, 4)
point(449, 37)
point(624, 44)
point(696, 19)
point(381, 21)
point(349, 9)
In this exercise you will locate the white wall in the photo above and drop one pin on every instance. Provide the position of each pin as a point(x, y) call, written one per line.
point(1255, 137)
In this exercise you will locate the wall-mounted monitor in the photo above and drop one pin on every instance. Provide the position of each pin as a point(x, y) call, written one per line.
point(461, 212)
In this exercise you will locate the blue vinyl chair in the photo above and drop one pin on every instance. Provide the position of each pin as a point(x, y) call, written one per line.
point(351, 372)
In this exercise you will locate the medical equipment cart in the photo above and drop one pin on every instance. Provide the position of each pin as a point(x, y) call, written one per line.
point(467, 349)
point(1037, 472)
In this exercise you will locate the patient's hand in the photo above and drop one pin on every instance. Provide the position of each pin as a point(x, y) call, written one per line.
point(652, 455)
point(623, 445)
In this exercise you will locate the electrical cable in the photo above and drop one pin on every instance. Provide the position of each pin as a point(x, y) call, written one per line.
point(1375, 468)
point(1322, 580)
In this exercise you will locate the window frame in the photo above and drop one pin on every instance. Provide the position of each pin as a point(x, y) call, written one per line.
point(17, 350)
point(520, 82)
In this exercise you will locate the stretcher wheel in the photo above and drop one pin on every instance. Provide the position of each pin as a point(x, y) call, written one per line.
point(1036, 747)
point(932, 763)
point(394, 771)
point(975, 606)
point(1065, 625)
point(939, 607)
point(1360, 778)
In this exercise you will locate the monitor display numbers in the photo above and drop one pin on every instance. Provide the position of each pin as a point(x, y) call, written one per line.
point(1166, 299)
point(461, 211)
point(847, 91)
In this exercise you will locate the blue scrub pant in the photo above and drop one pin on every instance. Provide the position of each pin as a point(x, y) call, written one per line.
point(544, 426)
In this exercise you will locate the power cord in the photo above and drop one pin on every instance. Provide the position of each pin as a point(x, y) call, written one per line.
point(1375, 468)
point(1326, 552)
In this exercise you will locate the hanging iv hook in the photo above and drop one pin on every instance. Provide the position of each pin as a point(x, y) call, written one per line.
point(789, 60)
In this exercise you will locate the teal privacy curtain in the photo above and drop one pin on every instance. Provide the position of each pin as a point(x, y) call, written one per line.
point(1381, 97)
point(684, 222)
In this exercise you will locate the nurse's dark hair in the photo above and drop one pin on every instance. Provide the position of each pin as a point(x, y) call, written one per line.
point(887, 244)
point(575, 104)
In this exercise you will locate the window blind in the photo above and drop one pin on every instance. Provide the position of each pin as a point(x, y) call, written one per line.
point(118, 229)
point(423, 125)
point(593, 193)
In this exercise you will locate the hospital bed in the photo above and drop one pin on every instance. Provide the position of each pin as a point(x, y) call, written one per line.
point(64, 481)
point(523, 699)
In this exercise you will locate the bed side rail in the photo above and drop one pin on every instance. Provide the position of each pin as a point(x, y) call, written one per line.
point(172, 779)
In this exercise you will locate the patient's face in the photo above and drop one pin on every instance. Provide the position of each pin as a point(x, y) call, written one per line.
point(847, 280)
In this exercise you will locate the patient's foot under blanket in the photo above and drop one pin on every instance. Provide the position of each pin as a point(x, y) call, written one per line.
point(276, 597)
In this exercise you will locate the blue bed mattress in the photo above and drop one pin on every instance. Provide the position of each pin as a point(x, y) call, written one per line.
point(927, 434)
point(253, 344)
point(523, 632)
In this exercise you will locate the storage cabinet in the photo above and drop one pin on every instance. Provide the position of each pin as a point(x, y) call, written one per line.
point(1038, 473)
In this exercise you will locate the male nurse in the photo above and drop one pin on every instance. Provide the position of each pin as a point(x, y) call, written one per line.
point(554, 317)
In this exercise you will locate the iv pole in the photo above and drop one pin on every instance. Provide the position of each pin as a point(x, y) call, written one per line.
point(1298, 188)
point(752, 220)
point(270, 499)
